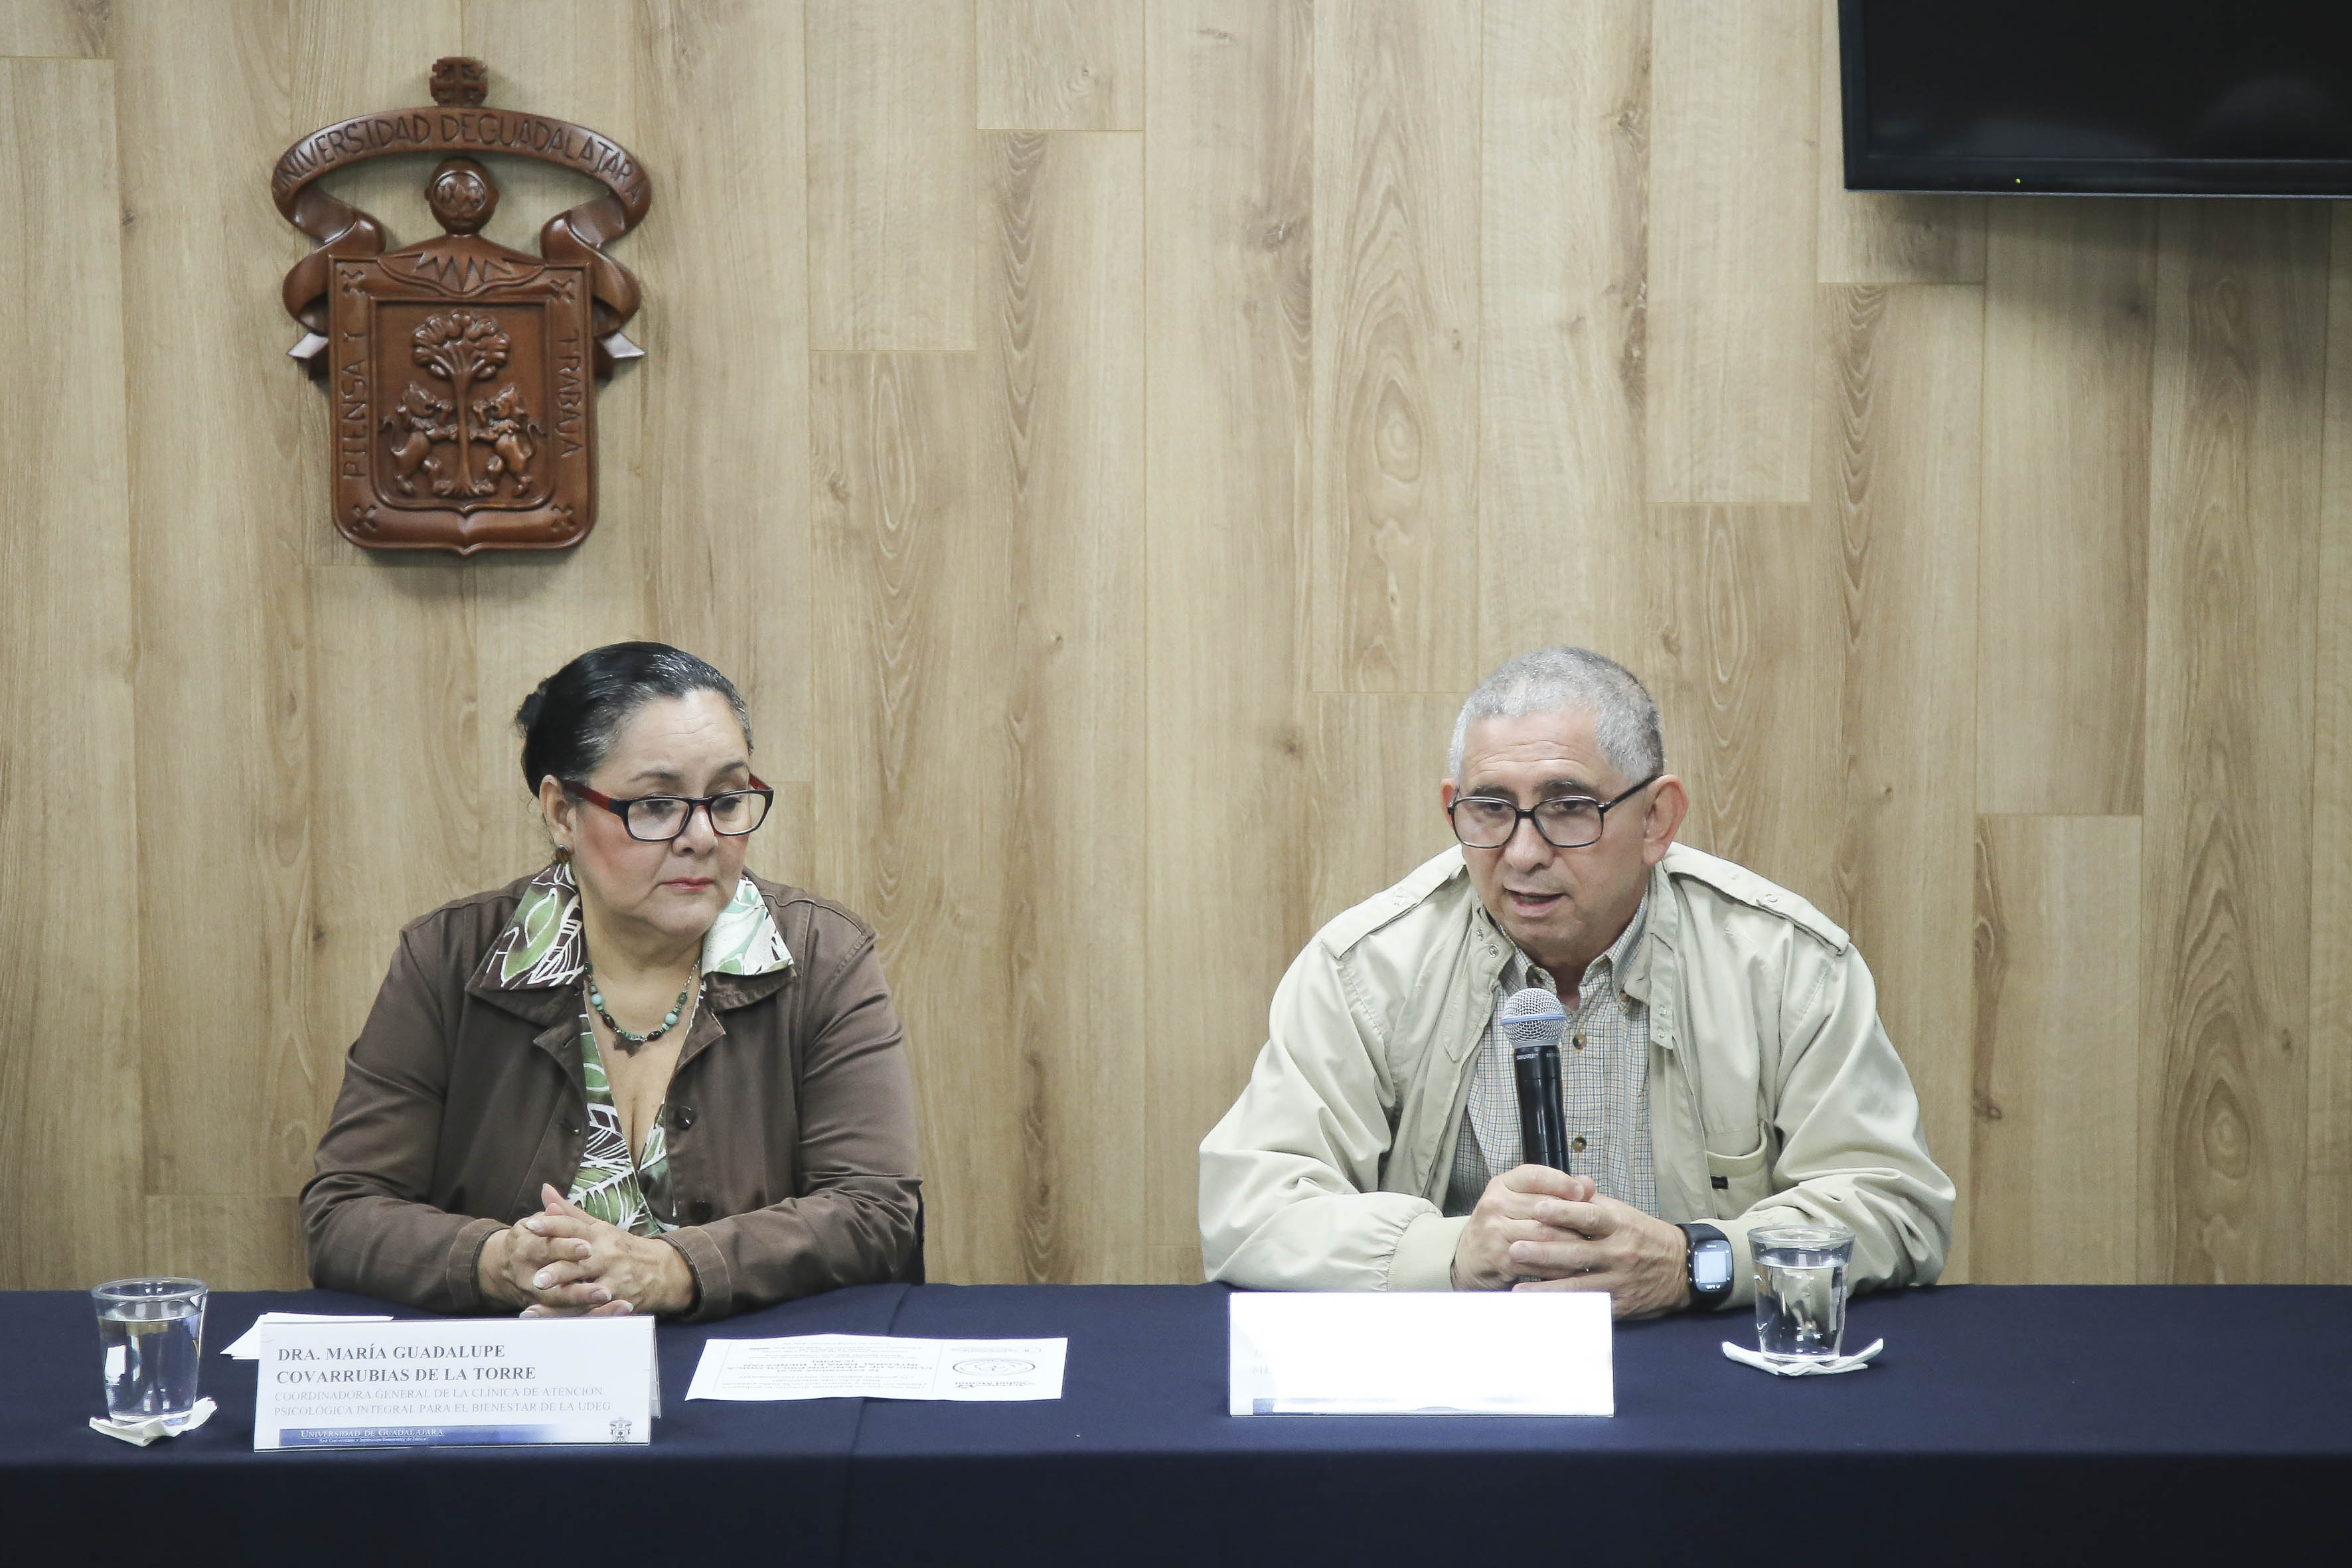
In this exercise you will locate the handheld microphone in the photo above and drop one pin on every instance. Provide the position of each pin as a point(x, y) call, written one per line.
point(1533, 1022)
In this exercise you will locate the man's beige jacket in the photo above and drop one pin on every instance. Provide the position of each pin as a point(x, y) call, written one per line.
point(1775, 1094)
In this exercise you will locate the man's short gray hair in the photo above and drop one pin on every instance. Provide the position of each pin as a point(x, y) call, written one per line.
point(1575, 679)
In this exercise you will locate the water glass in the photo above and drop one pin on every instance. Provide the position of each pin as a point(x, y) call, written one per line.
point(1801, 1289)
point(153, 1334)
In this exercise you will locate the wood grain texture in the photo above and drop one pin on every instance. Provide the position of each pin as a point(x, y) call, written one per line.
point(1896, 450)
point(1381, 760)
point(1733, 182)
point(69, 929)
point(224, 699)
point(2234, 535)
point(1228, 217)
point(396, 825)
point(1564, 328)
point(2056, 1081)
point(890, 174)
point(58, 29)
point(1396, 141)
point(725, 399)
point(910, 808)
point(2070, 291)
point(1745, 653)
point(1059, 482)
point(1060, 65)
point(234, 1242)
point(1886, 237)
point(2327, 1154)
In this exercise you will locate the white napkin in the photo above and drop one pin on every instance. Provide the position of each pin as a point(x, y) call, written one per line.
point(138, 1433)
point(1855, 1362)
point(249, 1343)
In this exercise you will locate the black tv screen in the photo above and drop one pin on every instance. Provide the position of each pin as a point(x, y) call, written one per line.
point(2162, 97)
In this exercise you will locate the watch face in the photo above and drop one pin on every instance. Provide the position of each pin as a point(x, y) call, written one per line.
point(1711, 1265)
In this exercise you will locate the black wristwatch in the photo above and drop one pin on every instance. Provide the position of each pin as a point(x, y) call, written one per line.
point(1707, 1264)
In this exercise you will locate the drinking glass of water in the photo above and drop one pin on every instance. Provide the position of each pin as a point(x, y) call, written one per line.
point(1801, 1289)
point(153, 1334)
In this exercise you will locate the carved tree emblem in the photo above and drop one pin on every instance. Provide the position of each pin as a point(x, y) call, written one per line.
point(460, 370)
point(463, 349)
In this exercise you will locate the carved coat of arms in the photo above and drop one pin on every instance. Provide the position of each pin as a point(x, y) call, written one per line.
point(461, 373)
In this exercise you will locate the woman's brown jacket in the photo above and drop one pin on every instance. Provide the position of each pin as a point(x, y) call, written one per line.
point(790, 1117)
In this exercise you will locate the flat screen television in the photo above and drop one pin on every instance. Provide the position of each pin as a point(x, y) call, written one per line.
point(2250, 98)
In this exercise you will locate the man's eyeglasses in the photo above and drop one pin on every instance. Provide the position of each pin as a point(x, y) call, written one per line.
point(658, 818)
point(1565, 821)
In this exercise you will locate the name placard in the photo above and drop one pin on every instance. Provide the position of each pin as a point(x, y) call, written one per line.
point(454, 1382)
point(1505, 1353)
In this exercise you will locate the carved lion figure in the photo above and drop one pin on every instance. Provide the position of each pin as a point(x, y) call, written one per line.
point(426, 419)
point(506, 425)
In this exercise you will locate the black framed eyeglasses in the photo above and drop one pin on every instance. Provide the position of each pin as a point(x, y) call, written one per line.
point(1564, 822)
point(658, 818)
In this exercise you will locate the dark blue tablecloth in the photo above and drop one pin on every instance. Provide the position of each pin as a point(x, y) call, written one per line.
point(2017, 1425)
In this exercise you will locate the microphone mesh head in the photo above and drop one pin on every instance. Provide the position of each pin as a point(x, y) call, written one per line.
point(1533, 1017)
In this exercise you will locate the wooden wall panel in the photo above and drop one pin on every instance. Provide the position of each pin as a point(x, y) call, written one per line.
point(2327, 1154)
point(1396, 142)
point(913, 797)
point(1746, 611)
point(58, 29)
point(1059, 480)
point(1060, 65)
point(1228, 184)
point(1733, 181)
point(1896, 481)
point(70, 1128)
point(724, 391)
point(243, 1241)
point(1886, 237)
point(2070, 292)
point(1381, 759)
point(890, 149)
point(397, 763)
point(2056, 1081)
point(224, 700)
point(2233, 552)
point(1564, 327)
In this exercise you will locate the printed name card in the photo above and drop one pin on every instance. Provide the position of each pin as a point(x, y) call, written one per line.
point(1505, 1353)
point(451, 1383)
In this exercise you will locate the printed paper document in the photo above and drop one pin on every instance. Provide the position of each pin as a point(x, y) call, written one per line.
point(879, 1366)
point(1362, 1353)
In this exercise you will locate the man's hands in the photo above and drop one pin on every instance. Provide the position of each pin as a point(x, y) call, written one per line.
point(564, 1262)
point(1536, 1229)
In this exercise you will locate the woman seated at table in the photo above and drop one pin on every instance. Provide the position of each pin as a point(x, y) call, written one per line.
point(640, 1081)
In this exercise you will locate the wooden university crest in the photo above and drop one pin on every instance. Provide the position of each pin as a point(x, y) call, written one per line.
point(459, 370)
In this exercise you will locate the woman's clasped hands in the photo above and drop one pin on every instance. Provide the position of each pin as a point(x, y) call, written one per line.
point(565, 1262)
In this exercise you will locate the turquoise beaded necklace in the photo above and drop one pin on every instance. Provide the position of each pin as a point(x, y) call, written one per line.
point(627, 1040)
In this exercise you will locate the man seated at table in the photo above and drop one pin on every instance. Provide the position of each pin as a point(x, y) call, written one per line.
point(1723, 1067)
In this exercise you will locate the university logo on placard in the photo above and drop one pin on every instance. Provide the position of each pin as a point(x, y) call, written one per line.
point(462, 373)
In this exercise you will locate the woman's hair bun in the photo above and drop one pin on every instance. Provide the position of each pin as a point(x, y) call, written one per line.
point(568, 722)
point(527, 714)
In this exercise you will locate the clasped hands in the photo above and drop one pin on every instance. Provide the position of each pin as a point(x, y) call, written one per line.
point(565, 1262)
point(1536, 1229)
